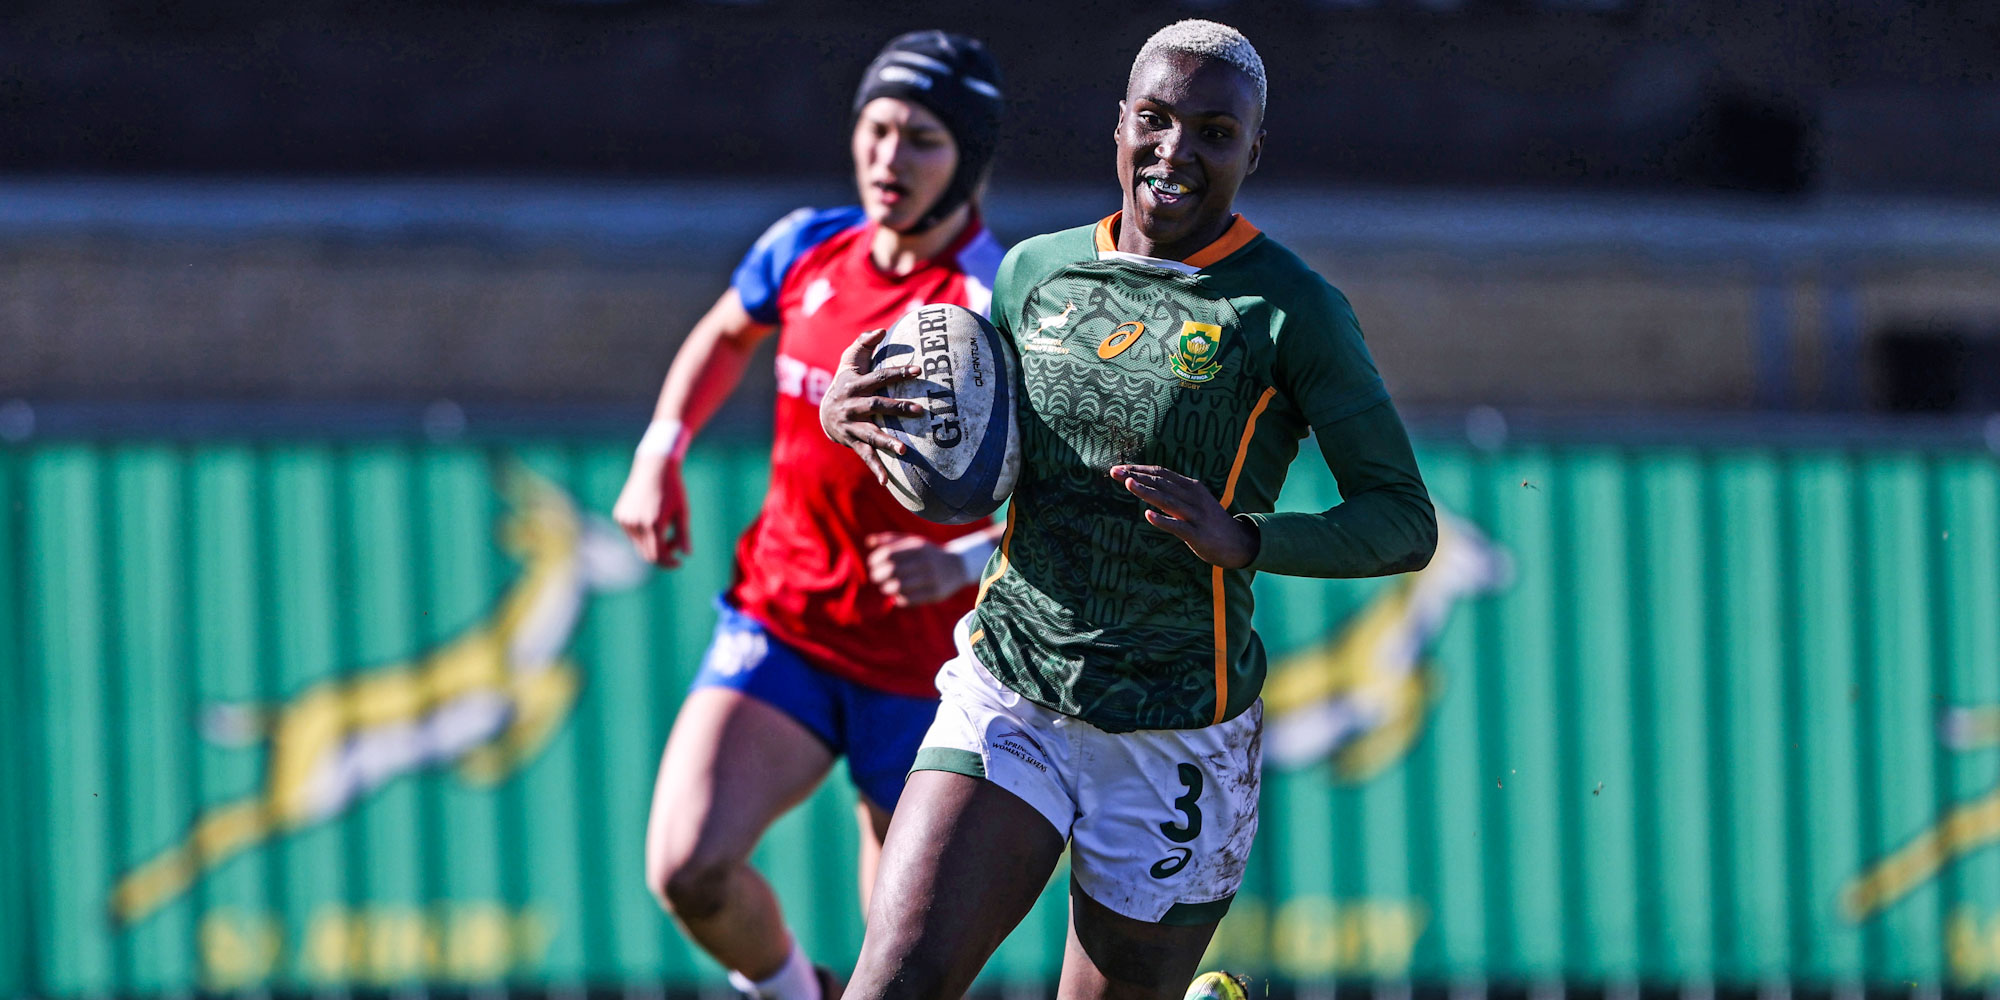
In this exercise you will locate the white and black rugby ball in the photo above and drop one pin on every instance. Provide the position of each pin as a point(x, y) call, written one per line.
point(964, 450)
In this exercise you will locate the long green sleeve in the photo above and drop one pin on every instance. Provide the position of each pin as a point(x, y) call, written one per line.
point(1385, 523)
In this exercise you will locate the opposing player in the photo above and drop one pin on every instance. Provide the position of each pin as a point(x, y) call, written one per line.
point(1105, 687)
point(843, 602)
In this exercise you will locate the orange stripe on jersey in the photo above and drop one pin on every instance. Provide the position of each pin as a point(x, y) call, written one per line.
point(1006, 537)
point(1221, 645)
point(1243, 446)
point(1239, 235)
point(1216, 584)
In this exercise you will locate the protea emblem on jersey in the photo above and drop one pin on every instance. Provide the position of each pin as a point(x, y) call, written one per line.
point(1197, 353)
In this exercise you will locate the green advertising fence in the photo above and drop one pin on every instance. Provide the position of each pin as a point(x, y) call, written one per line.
point(303, 715)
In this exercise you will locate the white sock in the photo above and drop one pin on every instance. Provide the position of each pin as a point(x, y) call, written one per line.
point(795, 980)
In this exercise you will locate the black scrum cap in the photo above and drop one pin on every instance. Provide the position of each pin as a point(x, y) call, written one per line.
point(956, 79)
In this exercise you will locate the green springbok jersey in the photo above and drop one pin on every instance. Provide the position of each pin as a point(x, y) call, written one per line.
point(1215, 367)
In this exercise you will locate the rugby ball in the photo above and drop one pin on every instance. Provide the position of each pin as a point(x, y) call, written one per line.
point(1217, 986)
point(964, 449)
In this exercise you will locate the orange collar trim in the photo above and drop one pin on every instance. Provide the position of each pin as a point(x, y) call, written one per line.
point(1240, 233)
point(1107, 232)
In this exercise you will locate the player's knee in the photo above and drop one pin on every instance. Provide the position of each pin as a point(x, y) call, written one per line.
point(690, 888)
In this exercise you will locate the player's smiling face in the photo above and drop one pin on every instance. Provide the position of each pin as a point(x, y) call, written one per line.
point(1188, 133)
point(903, 160)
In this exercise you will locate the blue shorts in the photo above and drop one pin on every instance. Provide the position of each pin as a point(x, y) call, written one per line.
point(878, 732)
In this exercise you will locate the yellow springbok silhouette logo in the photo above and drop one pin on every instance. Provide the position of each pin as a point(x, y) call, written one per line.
point(1361, 698)
point(1966, 828)
point(486, 700)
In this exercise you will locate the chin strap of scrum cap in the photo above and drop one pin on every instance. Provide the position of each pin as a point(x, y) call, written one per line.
point(954, 78)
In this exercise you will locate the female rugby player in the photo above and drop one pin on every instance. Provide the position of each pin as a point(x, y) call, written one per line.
point(798, 671)
point(1105, 688)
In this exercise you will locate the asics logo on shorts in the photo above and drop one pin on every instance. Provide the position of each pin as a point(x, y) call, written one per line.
point(1171, 864)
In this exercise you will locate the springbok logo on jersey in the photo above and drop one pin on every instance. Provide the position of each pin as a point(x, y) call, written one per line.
point(1196, 356)
point(486, 700)
point(1056, 322)
point(1039, 339)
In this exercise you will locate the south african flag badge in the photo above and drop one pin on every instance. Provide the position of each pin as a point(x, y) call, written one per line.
point(1196, 356)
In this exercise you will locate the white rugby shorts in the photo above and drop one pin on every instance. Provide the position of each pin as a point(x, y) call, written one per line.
point(1159, 821)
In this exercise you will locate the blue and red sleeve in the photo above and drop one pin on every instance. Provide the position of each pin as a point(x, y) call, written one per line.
point(762, 272)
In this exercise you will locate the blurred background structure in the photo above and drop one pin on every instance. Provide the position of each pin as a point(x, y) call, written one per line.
point(320, 320)
point(1597, 204)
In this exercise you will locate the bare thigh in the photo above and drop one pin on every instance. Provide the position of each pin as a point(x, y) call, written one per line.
point(964, 861)
point(1114, 957)
point(732, 766)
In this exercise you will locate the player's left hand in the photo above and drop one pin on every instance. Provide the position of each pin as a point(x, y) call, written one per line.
point(912, 569)
point(1185, 508)
point(848, 411)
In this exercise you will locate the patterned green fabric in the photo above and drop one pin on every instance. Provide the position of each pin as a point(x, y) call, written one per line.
point(1089, 610)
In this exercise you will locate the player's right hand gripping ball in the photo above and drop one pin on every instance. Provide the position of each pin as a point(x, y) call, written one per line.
point(965, 449)
point(1215, 986)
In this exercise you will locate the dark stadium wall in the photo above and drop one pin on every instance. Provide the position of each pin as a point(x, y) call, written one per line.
point(1763, 96)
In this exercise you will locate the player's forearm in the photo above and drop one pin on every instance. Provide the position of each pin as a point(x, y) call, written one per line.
point(975, 549)
point(708, 366)
point(1375, 534)
point(701, 377)
point(1385, 525)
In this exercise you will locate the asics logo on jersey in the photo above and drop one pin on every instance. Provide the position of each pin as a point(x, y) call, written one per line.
point(1115, 343)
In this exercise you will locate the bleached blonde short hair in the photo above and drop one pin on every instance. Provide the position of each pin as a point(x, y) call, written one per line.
point(1205, 40)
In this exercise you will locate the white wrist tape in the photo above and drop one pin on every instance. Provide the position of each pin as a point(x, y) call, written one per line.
point(972, 551)
point(668, 438)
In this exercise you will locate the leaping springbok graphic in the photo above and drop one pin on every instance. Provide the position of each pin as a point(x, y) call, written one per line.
point(1056, 322)
point(487, 700)
point(1966, 828)
point(1361, 697)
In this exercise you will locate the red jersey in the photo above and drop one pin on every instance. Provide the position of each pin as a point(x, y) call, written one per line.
point(801, 568)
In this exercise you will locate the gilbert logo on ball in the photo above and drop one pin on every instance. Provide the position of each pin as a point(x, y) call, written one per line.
point(964, 449)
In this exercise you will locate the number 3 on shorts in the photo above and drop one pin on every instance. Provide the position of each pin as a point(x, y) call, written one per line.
point(1187, 829)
